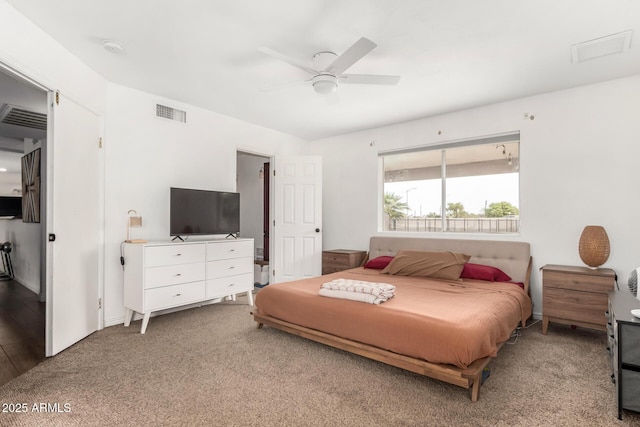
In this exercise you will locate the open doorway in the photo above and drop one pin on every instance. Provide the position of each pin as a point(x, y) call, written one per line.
point(253, 185)
point(23, 133)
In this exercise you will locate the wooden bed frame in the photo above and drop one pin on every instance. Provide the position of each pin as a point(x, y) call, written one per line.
point(510, 257)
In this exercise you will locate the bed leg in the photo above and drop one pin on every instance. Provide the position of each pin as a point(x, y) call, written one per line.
point(475, 388)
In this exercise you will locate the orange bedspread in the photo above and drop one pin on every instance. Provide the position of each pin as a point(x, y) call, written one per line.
point(453, 322)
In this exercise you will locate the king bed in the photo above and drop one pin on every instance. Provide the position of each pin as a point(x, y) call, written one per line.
point(456, 302)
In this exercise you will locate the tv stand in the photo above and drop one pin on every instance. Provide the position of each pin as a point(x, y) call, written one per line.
point(164, 275)
point(232, 235)
point(179, 238)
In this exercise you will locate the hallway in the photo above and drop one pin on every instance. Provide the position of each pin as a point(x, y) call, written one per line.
point(22, 323)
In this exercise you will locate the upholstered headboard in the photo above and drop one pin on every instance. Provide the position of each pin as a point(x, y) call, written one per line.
point(514, 258)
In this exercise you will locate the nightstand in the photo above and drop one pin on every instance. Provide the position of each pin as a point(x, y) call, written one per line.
point(576, 295)
point(341, 259)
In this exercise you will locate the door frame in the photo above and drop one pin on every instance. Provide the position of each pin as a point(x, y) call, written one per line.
point(47, 197)
point(269, 156)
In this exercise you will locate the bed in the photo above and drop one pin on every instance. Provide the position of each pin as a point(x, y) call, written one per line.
point(446, 328)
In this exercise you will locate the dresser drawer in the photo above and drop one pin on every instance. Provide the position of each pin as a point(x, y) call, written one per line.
point(173, 254)
point(338, 260)
point(341, 259)
point(575, 305)
point(629, 336)
point(173, 296)
point(155, 277)
point(229, 267)
point(630, 382)
point(332, 268)
point(229, 249)
point(229, 285)
point(581, 282)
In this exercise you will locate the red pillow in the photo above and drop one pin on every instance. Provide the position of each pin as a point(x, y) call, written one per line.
point(483, 272)
point(378, 263)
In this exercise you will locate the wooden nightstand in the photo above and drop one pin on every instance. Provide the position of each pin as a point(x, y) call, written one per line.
point(576, 295)
point(341, 259)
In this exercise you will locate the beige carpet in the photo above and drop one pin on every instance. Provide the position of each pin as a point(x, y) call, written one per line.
point(210, 366)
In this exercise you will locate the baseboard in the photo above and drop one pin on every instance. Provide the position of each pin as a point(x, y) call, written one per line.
point(32, 287)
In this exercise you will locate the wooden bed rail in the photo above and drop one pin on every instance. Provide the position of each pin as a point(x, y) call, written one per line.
point(469, 378)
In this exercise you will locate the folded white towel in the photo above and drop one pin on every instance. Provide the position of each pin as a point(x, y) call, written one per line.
point(354, 296)
point(383, 291)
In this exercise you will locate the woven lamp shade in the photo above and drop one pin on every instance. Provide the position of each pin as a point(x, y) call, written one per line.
point(594, 246)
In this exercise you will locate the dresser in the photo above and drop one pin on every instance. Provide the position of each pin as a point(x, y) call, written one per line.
point(623, 332)
point(164, 275)
point(575, 295)
point(341, 259)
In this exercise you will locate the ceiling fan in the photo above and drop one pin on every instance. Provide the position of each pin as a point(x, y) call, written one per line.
point(327, 68)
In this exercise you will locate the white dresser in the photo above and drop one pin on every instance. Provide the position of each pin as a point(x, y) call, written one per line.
point(163, 275)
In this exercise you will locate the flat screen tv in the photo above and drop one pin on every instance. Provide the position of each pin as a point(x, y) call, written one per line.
point(203, 212)
point(11, 206)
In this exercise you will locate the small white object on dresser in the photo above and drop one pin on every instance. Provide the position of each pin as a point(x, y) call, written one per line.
point(163, 275)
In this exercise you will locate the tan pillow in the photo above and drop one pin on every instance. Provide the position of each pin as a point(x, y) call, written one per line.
point(438, 265)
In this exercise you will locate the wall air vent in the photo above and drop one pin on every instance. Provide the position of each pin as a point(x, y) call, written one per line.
point(20, 116)
point(603, 46)
point(171, 113)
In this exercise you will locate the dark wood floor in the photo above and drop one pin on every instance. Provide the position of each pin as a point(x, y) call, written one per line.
point(22, 322)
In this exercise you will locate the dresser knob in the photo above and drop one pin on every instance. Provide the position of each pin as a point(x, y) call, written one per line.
point(178, 295)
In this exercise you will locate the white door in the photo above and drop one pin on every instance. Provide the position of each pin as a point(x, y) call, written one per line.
point(72, 200)
point(297, 212)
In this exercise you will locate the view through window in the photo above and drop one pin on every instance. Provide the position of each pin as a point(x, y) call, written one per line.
point(467, 186)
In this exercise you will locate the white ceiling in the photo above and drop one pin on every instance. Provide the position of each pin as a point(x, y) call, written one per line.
point(452, 54)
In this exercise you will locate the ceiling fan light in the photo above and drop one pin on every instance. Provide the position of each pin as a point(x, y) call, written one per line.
point(325, 87)
point(325, 84)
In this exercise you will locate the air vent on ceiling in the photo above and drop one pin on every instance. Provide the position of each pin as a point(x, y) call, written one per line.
point(20, 116)
point(603, 46)
point(171, 113)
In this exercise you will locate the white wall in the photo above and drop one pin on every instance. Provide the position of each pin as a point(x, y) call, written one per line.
point(145, 155)
point(578, 167)
point(25, 254)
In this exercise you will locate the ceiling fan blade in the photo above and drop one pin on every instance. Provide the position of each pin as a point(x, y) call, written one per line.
point(296, 63)
point(351, 56)
point(369, 79)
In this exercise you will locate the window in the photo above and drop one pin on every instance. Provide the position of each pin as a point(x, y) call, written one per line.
point(467, 186)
